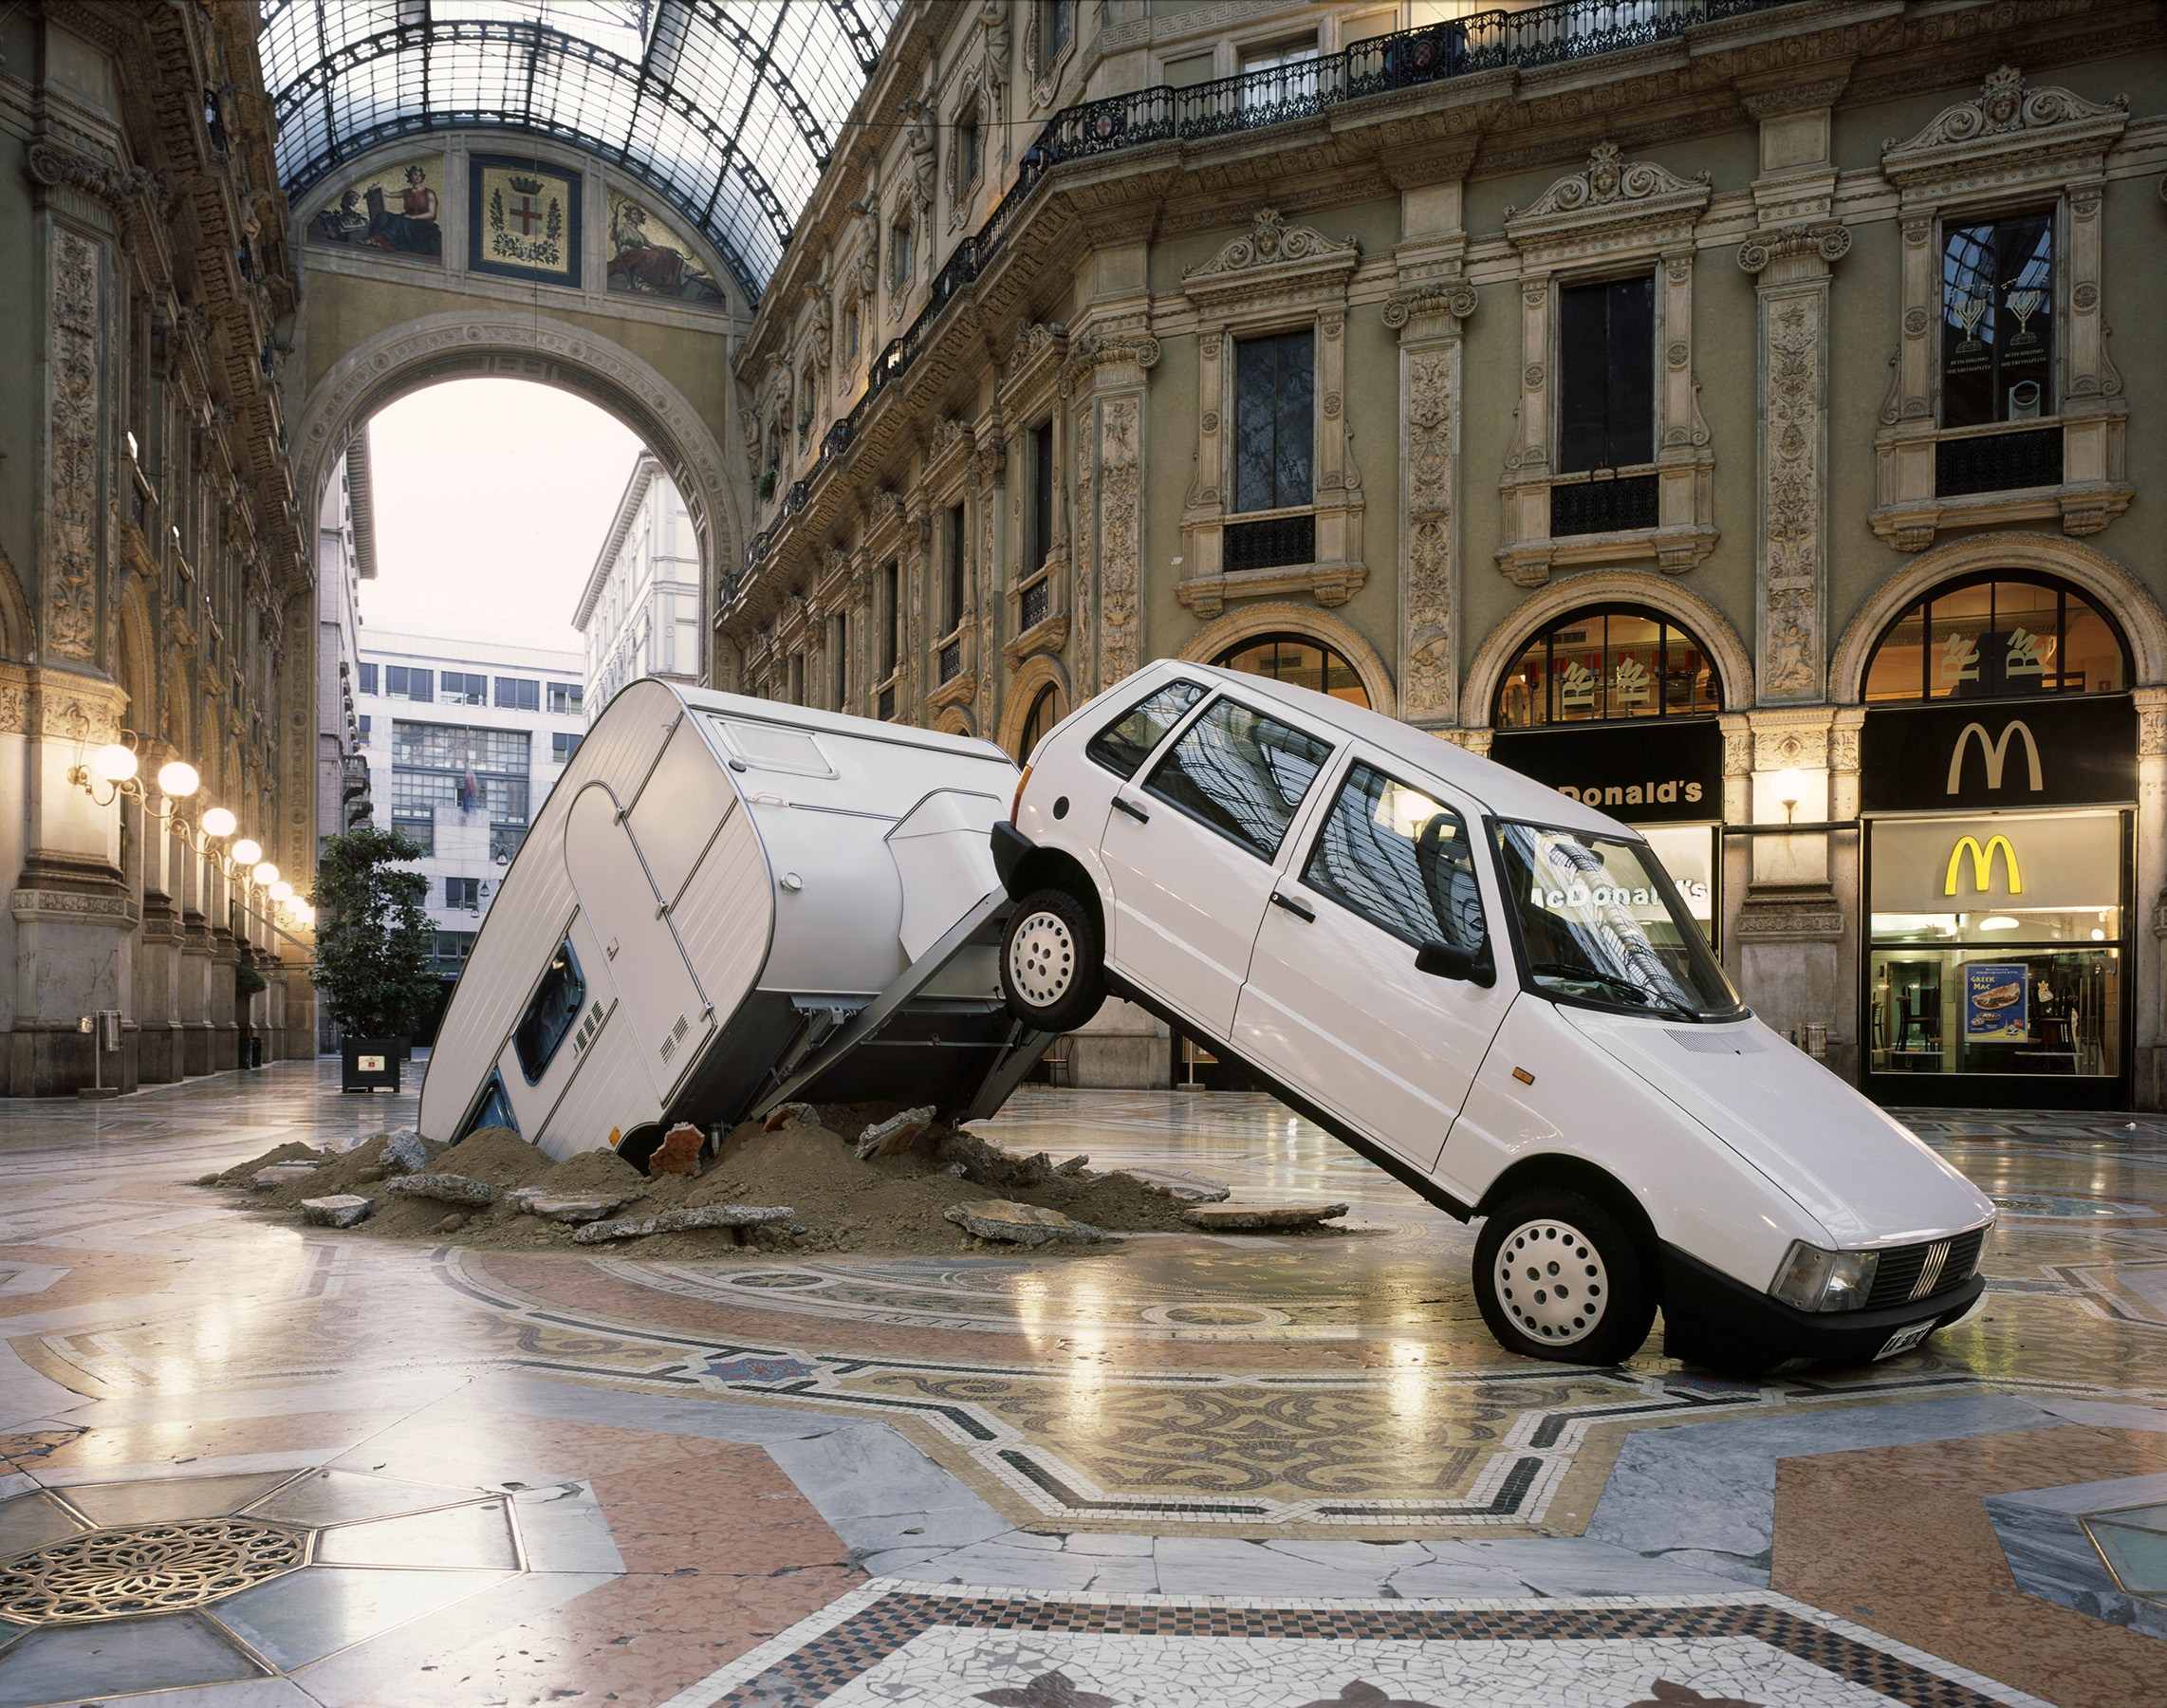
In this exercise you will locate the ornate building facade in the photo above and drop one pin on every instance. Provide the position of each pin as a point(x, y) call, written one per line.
point(1717, 408)
point(155, 588)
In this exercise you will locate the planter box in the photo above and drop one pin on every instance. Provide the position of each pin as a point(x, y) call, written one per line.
point(370, 1064)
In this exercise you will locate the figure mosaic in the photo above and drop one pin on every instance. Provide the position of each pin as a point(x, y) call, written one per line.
point(402, 221)
point(647, 258)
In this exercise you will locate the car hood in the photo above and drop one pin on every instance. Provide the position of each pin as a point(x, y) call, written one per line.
point(1865, 1177)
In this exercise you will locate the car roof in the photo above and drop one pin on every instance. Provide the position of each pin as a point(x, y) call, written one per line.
point(1505, 793)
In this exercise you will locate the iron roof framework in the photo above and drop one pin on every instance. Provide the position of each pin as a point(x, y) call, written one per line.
point(727, 110)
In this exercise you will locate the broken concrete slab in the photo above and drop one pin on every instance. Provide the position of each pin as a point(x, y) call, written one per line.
point(678, 1152)
point(1021, 1224)
point(1259, 1219)
point(678, 1221)
point(282, 1174)
point(569, 1206)
point(1181, 1183)
point(340, 1210)
point(898, 1133)
point(1074, 1166)
point(445, 1189)
point(788, 1115)
point(404, 1152)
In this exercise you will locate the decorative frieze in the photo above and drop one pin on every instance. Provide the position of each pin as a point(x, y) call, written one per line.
point(1121, 531)
point(1428, 316)
point(72, 588)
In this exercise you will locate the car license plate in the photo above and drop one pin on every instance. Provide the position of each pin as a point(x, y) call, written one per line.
point(1904, 1340)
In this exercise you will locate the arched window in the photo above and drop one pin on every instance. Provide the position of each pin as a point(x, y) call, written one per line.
point(1298, 660)
point(1607, 662)
point(1999, 635)
point(1041, 719)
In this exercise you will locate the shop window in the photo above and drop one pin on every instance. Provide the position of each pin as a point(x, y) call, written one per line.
point(552, 1014)
point(1276, 382)
point(1605, 663)
point(1998, 638)
point(1997, 321)
point(1300, 661)
point(1607, 375)
point(1041, 719)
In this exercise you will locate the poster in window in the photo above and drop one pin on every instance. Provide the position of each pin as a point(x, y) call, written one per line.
point(1995, 1002)
point(522, 219)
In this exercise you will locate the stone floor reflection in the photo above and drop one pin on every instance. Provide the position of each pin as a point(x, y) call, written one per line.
point(776, 1478)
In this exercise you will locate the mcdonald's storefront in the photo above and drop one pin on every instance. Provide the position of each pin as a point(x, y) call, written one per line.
point(1998, 839)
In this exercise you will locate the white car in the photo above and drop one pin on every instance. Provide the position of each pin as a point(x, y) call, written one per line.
point(1497, 995)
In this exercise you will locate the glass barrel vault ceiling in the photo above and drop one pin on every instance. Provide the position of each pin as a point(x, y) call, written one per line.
point(726, 108)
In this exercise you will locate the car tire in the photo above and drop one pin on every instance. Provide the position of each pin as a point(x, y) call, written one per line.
point(1558, 1276)
point(1052, 964)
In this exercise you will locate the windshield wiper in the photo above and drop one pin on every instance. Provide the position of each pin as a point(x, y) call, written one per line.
point(1589, 976)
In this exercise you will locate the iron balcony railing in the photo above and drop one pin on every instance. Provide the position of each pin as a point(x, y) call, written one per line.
point(1605, 506)
point(1998, 462)
point(1540, 35)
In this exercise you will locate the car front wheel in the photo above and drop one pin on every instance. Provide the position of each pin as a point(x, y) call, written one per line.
point(1558, 1276)
point(1051, 962)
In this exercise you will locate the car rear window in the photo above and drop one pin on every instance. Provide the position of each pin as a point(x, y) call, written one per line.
point(1241, 773)
point(1126, 743)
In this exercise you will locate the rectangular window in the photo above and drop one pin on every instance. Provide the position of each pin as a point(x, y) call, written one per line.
point(562, 747)
point(401, 682)
point(1997, 321)
point(552, 1014)
point(892, 629)
point(459, 689)
point(797, 678)
point(517, 694)
point(1275, 429)
point(841, 670)
point(1607, 375)
point(1056, 21)
point(1242, 773)
point(1401, 860)
point(1279, 76)
point(462, 892)
point(956, 535)
point(1041, 473)
point(364, 723)
point(420, 830)
point(1126, 743)
point(967, 148)
point(565, 698)
point(503, 841)
point(368, 679)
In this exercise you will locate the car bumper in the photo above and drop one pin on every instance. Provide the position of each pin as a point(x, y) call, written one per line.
point(1709, 1318)
point(1009, 846)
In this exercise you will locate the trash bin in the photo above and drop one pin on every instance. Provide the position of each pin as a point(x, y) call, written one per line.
point(255, 1050)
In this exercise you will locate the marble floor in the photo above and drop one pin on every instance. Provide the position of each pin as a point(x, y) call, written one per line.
point(249, 1463)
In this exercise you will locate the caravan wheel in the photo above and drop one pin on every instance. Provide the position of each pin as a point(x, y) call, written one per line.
point(1557, 1277)
point(1051, 962)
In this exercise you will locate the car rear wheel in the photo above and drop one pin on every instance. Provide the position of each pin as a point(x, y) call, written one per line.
point(1051, 962)
point(1558, 1276)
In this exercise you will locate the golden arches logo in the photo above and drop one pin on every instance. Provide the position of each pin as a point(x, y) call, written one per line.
point(1983, 864)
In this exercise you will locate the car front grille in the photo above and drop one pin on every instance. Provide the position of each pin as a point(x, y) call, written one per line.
point(1924, 1272)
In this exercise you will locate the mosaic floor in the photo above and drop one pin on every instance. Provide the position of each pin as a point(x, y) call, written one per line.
point(249, 1464)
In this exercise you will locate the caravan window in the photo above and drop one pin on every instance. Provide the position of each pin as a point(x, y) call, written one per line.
point(550, 1015)
point(494, 1110)
point(772, 748)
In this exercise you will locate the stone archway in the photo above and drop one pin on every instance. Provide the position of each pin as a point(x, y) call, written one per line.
point(1733, 663)
point(2115, 591)
point(1037, 675)
point(1252, 622)
point(493, 343)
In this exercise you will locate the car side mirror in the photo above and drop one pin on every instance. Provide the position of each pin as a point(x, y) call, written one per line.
point(1444, 960)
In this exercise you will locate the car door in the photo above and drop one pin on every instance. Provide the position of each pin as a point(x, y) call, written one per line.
point(1334, 1003)
point(1190, 855)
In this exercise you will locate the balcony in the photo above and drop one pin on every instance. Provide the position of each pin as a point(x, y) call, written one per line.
point(1591, 506)
point(2002, 462)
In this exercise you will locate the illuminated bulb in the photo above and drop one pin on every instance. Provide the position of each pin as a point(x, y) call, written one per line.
point(178, 779)
point(266, 874)
point(115, 764)
point(219, 822)
point(281, 891)
point(1998, 922)
point(2099, 936)
point(246, 852)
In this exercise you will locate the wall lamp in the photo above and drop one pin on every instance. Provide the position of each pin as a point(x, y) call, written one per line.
point(116, 765)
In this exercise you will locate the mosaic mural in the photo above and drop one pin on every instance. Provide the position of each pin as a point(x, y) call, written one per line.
point(395, 208)
point(647, 256)
point(522, 219)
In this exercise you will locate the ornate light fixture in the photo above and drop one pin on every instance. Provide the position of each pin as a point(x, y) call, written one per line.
point(117, 765)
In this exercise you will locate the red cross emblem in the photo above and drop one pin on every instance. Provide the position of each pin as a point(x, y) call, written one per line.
point(528, 212)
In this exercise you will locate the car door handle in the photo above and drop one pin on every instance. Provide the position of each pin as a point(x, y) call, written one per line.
point(1133, 811)
point(1300, 910)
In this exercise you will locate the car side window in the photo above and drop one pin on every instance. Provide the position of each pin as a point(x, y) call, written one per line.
point(1401, 860)
point(1126, 743)
point(1243, 773)
point(550, 1015)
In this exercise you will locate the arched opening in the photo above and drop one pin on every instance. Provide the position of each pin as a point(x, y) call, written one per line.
point(1607, 662)
point(1041, 716)
point(1998, 635)
point(1301, 661)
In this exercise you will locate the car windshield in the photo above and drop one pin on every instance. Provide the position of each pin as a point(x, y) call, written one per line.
point(1602, 923)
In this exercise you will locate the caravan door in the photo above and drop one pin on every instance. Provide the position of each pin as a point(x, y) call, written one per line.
point(660, 1003)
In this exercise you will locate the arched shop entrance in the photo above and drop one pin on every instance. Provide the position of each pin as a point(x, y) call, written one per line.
point(1998, 791)
point(1616, 705)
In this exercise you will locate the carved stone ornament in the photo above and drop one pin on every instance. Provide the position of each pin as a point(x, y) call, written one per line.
point(1269, 242)
point(1443, 296)
point(115, 187)
point(1272, 260)
point(1032, 339)
point(2005, 108)
point(947, 432)
point(1110, 349)
point(1120, 539)
point(1607, 179)
point(71, 597)
point(1829, 241)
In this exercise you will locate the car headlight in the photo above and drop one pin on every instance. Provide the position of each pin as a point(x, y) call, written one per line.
point(1812, 1279)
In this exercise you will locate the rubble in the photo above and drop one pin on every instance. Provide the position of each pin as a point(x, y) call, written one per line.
point(1021, 1224)
point(340, 1210)
point(790, 1115)
point(896, 1135)
point(282, 1174)
point(1192, 1188)
point(1259, 1219)
point(568, 1206)
point(682, 1222)
point(404, 1152)
point(443, 1189)
point(678, 1152)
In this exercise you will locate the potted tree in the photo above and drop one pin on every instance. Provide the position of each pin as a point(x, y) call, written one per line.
point(373, 944)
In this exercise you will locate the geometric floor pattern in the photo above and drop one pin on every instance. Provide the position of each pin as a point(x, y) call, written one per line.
point(244, 1462)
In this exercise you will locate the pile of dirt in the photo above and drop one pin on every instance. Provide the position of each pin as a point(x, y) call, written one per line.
point(885, 1204)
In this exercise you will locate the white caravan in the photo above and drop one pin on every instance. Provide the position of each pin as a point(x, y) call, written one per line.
point(725, 902)
point(1496, 994)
